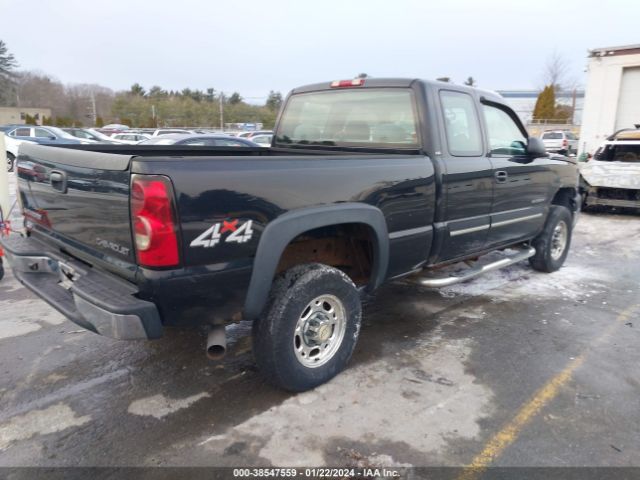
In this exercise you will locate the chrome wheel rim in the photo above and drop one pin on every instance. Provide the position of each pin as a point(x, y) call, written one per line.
point(559, 240)
point(319, 331)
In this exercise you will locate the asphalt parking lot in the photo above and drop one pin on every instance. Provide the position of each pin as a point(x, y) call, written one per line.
point(517, 368)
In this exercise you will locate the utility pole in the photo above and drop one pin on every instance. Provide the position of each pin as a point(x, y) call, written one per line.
point(94, 112)
point(153, 115)
point(221, 98)
point(573, 107)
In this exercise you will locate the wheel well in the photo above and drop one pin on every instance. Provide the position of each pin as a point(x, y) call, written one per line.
point(566, 198)
point(348, 247)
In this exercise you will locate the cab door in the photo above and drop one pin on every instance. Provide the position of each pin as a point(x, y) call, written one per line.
point(467, 177)
point(521, 184)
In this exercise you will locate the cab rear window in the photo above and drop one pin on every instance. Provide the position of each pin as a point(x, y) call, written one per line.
point(376, 118)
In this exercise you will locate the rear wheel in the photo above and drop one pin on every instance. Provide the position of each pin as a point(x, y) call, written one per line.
point(552, 245)
point(309, 329)
point(11, 160)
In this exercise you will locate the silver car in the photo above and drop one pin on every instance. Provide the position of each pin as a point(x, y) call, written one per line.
point(560, 141)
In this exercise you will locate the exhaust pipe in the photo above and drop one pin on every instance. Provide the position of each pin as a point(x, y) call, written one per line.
point(216, 342)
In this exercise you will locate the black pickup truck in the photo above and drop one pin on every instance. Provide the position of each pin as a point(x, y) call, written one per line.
point(366, 181)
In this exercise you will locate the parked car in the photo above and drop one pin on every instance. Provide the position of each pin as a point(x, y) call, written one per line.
point(130, 138)
point(399, 177)
point(169, 131)
point(11, 145)
point(262, 140)
point(43, 135)
point(560, 141)
point(200, 140)
point(89, 135)
point(612, 177)
point(116, 126)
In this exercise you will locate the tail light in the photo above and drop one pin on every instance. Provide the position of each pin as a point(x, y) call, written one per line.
point(154, 221)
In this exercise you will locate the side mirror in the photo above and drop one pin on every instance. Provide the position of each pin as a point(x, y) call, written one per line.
point(536, 148)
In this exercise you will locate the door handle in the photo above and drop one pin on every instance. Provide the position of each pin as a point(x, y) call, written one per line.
point(501, 176)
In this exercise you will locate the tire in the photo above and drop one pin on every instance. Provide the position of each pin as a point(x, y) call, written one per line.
point(11, 161)
point(552, 245)
point(298, 342)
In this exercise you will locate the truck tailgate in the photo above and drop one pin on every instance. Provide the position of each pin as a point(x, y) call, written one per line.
point(79, 197)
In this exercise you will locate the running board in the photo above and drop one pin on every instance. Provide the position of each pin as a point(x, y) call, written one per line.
point(477, 271)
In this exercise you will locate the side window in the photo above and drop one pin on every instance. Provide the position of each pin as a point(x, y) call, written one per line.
point(41, 132)
point(22, 132)
point(505, 138)
point(228, 143)
point(461, 124)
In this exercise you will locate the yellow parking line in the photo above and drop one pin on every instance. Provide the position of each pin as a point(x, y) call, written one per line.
point(509, 433)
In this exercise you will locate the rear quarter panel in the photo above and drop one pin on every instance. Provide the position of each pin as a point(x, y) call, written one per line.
point(214, 189)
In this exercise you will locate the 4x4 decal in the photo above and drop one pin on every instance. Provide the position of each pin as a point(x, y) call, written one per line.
point(213, 235)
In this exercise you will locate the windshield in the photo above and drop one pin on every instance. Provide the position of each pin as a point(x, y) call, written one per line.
point(98, 135)
point(619, 153)
point(362, 118)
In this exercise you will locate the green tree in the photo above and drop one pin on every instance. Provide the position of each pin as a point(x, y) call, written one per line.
point(47, 121)
point(63, 122)
point(563, 113)
point(545, 108)
point(235, 98)
point(444, 79)
point(362, 75)
point(7, 81)
point(470, 82)
point(274, 100)
point(99, 122)
point(156, 92)
point(137, 90)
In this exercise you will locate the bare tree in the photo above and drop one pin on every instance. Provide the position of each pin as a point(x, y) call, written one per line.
point(557, 73)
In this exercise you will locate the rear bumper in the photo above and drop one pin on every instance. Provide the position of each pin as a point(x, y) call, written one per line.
point(90, 298)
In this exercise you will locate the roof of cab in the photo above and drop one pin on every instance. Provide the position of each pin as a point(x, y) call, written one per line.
point(373, 82)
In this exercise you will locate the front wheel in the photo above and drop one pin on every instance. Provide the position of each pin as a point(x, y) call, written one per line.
point(552, 245)
point(11, 160)
point(309, 329)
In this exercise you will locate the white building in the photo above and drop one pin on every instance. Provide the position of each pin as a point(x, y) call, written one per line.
point(612, 99)
point(18, 115)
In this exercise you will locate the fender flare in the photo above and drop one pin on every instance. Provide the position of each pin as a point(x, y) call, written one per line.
point(279, 233)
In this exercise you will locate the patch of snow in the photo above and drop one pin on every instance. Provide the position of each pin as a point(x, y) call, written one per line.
point(159, 406)
point(40, 422)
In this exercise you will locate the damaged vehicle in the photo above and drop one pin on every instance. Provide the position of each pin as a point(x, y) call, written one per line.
point(612, 178)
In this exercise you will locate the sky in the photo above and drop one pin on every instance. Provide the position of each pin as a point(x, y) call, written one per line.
point(256, 46)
